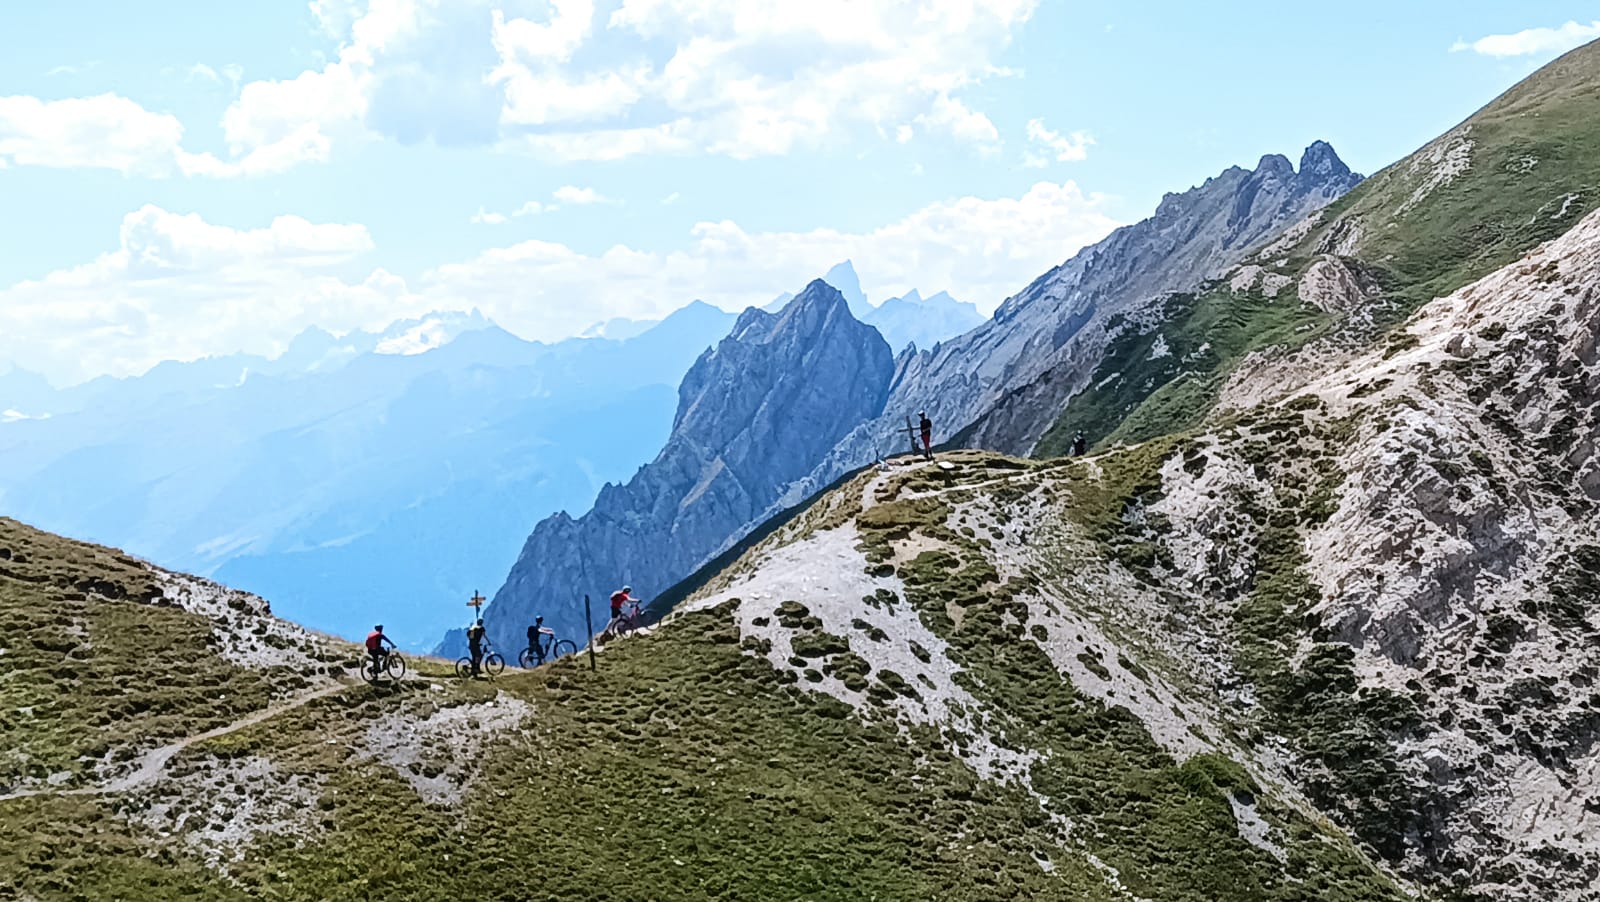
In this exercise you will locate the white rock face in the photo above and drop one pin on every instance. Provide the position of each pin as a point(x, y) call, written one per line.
point(1332, 285)
point(245, 631)
point(219, 806)
point(437, 752)
point(1445, 530)
point(1458, 556)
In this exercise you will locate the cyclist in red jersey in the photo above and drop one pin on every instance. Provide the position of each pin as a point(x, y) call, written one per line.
point(375, 642)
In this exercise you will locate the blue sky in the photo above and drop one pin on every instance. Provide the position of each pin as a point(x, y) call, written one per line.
point(181, 179)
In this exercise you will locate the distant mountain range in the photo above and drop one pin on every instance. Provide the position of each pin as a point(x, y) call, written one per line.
point(370, 476)
point(907, 320)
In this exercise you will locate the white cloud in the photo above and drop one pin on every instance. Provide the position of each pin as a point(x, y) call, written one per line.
point(1046, 146)
point(570, 194)
point(177, 287)
point(230, 73)
point(670, 199)
point(581, 80)
point(1532, 41)
point(566, 194)
point(980, 249)
point(953, 116)
point(108, 131)
point(71, 68)
point(588, 80)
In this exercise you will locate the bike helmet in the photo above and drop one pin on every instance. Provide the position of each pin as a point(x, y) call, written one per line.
point(627, 590)
point(379, 628)
point(538, 619)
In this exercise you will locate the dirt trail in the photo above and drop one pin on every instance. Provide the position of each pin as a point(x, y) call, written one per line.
point(155, 761)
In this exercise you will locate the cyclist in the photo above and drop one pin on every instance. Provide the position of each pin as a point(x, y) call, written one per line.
point(475, 644)
point(536, 638)
point(618, 600)
point(375, 649)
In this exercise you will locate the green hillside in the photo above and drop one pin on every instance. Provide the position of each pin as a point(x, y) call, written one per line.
point(1519, 172)
point(685, 767)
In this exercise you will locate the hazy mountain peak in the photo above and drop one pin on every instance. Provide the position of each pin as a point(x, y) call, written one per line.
point(415, 336)
point(843, 277)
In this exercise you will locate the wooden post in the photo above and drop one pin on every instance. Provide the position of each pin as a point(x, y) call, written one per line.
point(476, 604)
point(911, 431)
point(588, 621)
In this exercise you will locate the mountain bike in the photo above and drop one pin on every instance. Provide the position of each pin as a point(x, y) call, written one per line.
point(393, 665)
point(549, 649)
point(629, 620)
point(491, 663)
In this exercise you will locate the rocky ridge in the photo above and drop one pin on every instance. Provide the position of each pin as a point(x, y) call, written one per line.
point(1376, 594)
point(1004, 383)
point(754, 414)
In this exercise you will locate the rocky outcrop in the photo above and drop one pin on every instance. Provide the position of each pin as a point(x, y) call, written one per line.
point(1449, 515)
point(755, 414)
point(1002, 384)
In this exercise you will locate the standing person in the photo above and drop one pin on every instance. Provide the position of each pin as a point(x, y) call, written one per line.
point(475, 644)
point(1080, 444)
point(926, 425)
point(536, 639)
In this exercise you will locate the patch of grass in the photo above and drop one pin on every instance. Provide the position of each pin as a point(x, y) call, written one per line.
point(97, 666)
point(1343, 734)
point(1134, 397)
point(1167, 829)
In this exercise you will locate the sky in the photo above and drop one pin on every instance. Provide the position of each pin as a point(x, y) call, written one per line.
point(182, 179)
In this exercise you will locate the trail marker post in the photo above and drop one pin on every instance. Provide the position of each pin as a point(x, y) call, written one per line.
point(588, 621)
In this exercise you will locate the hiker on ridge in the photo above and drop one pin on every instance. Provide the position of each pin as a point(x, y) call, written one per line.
point(926, 425)
point(1080, 444)
point(475, 644)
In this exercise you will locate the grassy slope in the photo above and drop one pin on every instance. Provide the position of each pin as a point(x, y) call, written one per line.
point(1484, 219)
point(683, 768)
point(90, 671)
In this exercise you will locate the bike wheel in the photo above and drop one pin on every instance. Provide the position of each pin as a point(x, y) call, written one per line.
point(368, 671)
point(494, 664)
point(526, 660)
point(396, 666)
point(464, 668)
point(565, 647)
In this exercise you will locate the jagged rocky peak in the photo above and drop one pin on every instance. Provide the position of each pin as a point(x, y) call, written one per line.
point(1321, 161)
point(1275, 164)
point(755, 413)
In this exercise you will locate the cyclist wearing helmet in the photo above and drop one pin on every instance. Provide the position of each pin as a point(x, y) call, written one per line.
point(618, 599)
point(475, 634)
point(375, 649)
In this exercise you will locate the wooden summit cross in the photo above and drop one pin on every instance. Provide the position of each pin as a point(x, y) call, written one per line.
point(476, 603)
point(911, 431)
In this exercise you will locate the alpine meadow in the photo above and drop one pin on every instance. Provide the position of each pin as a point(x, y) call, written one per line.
point(1250, 551)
